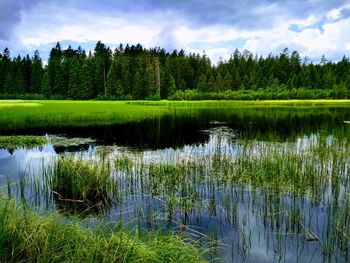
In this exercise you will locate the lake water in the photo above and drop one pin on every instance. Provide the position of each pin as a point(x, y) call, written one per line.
point(246, 222)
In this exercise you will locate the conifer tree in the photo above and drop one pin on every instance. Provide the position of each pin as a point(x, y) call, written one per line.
point(86, 91)
point(36, 74)
point(46, 86)
point(202, 84)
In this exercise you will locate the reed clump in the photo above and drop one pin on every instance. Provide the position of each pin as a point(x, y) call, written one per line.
point(77, 180)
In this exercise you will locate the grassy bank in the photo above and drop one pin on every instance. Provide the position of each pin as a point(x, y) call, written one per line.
point(28, 114)
point(28, 237)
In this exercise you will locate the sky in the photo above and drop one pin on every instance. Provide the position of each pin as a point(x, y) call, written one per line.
point(216, 27)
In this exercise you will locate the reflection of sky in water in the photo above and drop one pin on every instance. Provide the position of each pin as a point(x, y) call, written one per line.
point(23, 161)
point(246, 238)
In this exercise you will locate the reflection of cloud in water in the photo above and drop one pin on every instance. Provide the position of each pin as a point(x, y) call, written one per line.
point(23, 161)
point(31, 155)
point(4, 154)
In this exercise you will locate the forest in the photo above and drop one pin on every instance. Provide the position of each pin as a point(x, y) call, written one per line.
point(132, 72)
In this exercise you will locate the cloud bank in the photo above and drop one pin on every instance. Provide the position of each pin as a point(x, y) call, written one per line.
point(313, 27)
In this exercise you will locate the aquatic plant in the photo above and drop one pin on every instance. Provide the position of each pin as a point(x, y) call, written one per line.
point(76, 180)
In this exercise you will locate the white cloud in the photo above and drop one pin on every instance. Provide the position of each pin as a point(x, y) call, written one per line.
point(334, 14)
point(48, 23)
point(311, 41)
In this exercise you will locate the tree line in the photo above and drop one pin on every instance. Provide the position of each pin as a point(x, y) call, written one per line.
point(133, 72)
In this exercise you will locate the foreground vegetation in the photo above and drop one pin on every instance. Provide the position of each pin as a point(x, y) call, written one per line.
point(27, 237)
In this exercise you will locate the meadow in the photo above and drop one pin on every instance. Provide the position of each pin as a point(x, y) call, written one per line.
point(211, 181)
point(28, 114)
point(16, 114)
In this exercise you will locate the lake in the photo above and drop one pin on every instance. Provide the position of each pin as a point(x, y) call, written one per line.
point(256, 184)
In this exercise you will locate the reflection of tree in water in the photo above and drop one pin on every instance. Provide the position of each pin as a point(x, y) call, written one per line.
point(183, 127)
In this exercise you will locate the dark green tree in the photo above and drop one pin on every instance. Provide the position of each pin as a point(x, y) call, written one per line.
point(36, 74)
point(46, 85)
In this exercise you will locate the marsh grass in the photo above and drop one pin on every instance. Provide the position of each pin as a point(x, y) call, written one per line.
point(245, 103)
point(28, 237)
point(27, 114)
point(77, 181)
point(294, 189)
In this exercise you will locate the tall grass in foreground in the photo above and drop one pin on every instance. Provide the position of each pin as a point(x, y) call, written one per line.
point(27, 237)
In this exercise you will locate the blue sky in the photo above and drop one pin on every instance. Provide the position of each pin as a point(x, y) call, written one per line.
point(312, 27)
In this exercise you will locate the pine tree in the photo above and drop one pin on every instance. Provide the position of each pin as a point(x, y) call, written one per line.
point(26, 68)
point(227, 81)
point(155, 89)
point(20, 83)
point(219, 83)
point(167, 82)
point(102, 61)
point(5, 63)
point(138, 86)
point(113, 88)
point(46, 86)
point(36, 74)
point(86, 91)
point(9, 83)
point(74, 79)
point(202, 84)
point(56, 74)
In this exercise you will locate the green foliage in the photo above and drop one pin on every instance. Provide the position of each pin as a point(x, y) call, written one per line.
point(86, 88)
point(270, 93)
point(136, 73)
point(28, 237)
point(80, 181)
point(36, 74)
point(14, 142)
point(45, 85)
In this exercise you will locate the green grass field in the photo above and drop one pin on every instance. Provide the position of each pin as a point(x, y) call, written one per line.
point(23, 114)
point(26, 114)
